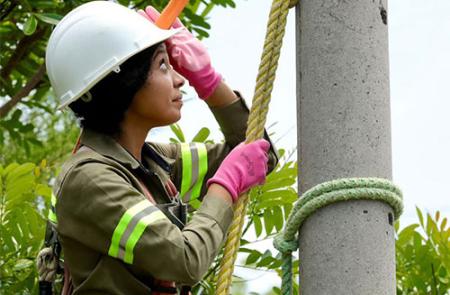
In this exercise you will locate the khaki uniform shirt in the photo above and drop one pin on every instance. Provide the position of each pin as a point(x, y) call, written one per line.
point(114, 239)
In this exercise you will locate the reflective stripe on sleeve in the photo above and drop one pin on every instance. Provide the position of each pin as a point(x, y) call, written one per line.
point(52, 212)
point(187, 169)
point(195, 167)
point(131, 227)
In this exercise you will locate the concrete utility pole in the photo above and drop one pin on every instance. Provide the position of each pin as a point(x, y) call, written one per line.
point(344, 131)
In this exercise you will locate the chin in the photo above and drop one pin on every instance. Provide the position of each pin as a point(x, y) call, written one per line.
point(171, 120)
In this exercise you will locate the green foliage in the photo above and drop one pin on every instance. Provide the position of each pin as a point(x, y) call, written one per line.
point(23, 194)
point(201, 136)
point(423, 256)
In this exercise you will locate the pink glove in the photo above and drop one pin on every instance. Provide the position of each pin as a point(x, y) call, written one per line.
point(189, 57)
point(244, 167)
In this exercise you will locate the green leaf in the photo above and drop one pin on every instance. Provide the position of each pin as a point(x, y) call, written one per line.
point(396, 225)
point(43, 190)
point(26, 128)
point(50, 18)
point(10, 168)
point(178, 132)
point(22, 193)
point(278, 183)
point(276, 263)
point(443, 224)
point(430, 225)
point(276, 198)
point(30, 25)
point(278, 218)
point(200, 33)
point(287, 210)
point(277, 290)
point(207, 10)
point(22, 264)
point(7, 27)
point(287, 195)
point(253, 257)
point(267, 204)
point(202, 135)
point(286, 171)
point(196, 19)
point(257, 224)
point(16, 117)
point(406, 234)
point(46, 4)
point(268, 221)
point(265, 259)
point(20, 171)
point(419, 214)
point(245, 250)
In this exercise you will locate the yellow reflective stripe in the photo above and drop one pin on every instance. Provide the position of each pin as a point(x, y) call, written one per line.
point(195, 167)
point(202, 169)
point(53, 200)
point(122, 226)
point(138, 231)
point(52, 216)
point(187, 168)
point(51, 212)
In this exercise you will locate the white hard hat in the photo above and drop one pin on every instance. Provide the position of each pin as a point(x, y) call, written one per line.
point(92, 41)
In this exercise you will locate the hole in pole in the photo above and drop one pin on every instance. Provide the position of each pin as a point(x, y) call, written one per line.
point(390, 218)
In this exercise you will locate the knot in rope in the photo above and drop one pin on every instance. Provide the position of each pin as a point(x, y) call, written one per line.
point(285, 246)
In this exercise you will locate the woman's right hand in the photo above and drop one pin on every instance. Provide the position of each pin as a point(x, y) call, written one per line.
point(244, 167)
point(189, 57)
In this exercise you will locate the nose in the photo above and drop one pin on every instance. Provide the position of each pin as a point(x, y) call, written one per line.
point(178, 80)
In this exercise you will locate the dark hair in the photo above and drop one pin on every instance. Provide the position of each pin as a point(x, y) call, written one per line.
point(110, 98)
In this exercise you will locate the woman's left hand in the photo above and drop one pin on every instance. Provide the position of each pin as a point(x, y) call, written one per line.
point(189, 57)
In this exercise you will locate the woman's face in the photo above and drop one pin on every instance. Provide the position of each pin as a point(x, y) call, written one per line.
point(158, 101)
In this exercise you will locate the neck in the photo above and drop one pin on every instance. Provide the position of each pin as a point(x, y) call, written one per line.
point(132, 138)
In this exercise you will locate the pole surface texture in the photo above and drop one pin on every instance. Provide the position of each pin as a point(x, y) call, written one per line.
point(344, 131)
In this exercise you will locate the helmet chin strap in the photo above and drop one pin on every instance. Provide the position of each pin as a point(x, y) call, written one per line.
point(77, 145)
point(87, 97)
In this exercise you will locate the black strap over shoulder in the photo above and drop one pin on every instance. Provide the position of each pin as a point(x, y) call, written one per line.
point(51, 241)
point(175, 211)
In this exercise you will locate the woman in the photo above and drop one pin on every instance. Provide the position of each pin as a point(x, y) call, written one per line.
point(118, 214)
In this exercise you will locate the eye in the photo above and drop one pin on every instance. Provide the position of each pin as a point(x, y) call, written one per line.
point(164, 64)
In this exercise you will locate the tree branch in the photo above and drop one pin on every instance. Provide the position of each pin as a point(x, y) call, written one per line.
point(22, 48)
point(10, 7)
point(31, 84)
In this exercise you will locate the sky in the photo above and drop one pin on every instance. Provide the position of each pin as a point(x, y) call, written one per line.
point(419, 53)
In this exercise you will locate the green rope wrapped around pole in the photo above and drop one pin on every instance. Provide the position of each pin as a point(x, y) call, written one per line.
point(324, 194)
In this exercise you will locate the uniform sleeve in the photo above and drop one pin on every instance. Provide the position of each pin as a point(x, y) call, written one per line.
point(99, 208)
point(195, 163)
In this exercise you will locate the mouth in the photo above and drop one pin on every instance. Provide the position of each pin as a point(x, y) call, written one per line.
point(177, 99)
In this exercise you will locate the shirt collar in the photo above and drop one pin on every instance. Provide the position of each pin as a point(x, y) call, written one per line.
point(108, 147)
